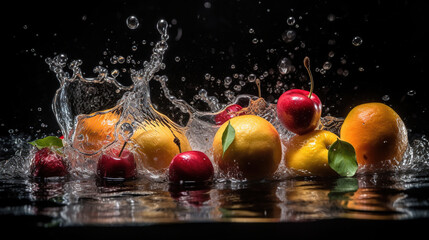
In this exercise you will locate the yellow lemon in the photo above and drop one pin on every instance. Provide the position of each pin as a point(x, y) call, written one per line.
point(255, 152)
point(308, 154)
point(377, 133)
point(155, 144)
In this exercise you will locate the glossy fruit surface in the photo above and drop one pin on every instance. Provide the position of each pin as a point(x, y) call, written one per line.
point(377, 133)
point(255, 152)
point(307, 155)
point(297, 112)
point(229, 112)
point(191, 166)
point(47, 163)
point(111, 165)
point(155, 145)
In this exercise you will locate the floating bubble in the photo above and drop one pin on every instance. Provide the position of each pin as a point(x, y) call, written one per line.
point(385, 98)
point(288, 36)
point(357, 41)
point(327, 65)
point(127, 130)
point(290, 21)
point(411, 93)
point(251, 77)
point(284, 65)
point(132, 22)
point(114, 73)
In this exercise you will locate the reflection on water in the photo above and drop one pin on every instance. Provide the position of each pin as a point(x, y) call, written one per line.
point(77, 202)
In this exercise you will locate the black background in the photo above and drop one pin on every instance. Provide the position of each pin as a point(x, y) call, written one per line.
point(393, 53)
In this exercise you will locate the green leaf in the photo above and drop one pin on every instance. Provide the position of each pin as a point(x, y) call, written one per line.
point(50, 141)
point(342, 158)
point(228, 136)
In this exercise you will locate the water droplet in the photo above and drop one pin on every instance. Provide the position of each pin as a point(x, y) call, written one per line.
point(327, 65)
point(251, 30)
point(115, 73)
point(177, 59)
point(331, 17)
point(162, 26)
point(251, 77)
point(127, 130)
point(114, 59)
point(284, 65)
point(121, 59)
point(132, 22)
point(411, 93)
point(288, 36)
point(255, 41)
point(290, 21)
point(202, 93)
point(227, 81)
point(385, 98)
point(357, 41)
point(207, 76)
point(207, 5)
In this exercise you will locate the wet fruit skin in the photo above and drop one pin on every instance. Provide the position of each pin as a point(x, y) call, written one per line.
point(307, 154)
point(297, 112)
point(377, 133)
point(254, 154)
point(155, 146)
point(228, 113)
point(191, 166)
point(47, 163)
point(111, 165)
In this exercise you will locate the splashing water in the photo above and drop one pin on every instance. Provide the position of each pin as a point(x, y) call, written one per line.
point(81, 102)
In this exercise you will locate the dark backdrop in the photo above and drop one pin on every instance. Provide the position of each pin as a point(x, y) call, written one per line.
point(389, 66)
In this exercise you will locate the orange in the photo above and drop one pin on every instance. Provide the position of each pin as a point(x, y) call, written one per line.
point(307, 155)
point(155, 146)
point(95, 131)
point(377, 133)
point(255, 152)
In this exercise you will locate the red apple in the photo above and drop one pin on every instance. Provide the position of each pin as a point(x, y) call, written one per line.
point(299, 110)
point(47, 163)
point(117, 164)
point(190, 166)
point(228, 113)
point(299, 113)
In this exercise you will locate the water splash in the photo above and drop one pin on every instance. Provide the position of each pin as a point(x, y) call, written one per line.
point(122, 110)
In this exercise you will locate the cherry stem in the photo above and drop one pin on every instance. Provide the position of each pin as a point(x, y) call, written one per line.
point(307, 66)
point(122, 149)
point(258, 84)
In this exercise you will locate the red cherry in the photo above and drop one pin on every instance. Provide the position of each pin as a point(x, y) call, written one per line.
point(190, 166)
point(228, 113)
point(47, 163)
point(111, 165)
point(297, 112)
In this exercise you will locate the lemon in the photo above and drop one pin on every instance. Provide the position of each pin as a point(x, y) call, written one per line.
point(255, 152)
point(155, 145)
point(307, 154)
